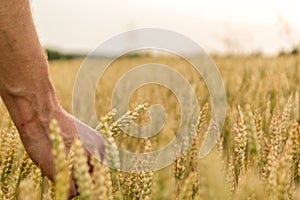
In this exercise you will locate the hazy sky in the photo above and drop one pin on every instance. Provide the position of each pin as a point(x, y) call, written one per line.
point(218, 26)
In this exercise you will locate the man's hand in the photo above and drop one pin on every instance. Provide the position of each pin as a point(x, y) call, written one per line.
point(27, 91)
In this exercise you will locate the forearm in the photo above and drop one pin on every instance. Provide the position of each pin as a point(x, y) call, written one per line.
point(26, 89)
point(21, 53)
point(26, 97)
point(25, 86)
point(17, 32)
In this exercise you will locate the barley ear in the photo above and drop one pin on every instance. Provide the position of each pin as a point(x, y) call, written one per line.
point(81, 171)
point(62, 177)
point(240, 143)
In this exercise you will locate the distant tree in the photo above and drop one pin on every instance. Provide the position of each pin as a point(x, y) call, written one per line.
point(56, 55)
point(295, 51)
point(53, 54)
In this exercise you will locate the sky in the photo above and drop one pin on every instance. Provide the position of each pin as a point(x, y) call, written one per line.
point(217, 26)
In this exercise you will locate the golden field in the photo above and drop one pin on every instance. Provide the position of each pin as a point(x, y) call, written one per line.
point(257, 156)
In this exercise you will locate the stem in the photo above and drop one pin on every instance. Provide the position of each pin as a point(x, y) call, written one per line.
point(17, 188)
point(177, 190)
point(119, 184)
point(42, 188)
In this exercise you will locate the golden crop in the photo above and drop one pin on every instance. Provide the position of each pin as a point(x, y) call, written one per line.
point(257, 156)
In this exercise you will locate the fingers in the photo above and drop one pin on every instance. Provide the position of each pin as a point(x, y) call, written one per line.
point(91, 139)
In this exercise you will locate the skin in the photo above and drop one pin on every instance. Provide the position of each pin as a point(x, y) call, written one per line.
point(27, 91)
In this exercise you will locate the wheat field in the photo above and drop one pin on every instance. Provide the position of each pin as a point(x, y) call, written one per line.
point(257, 156)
